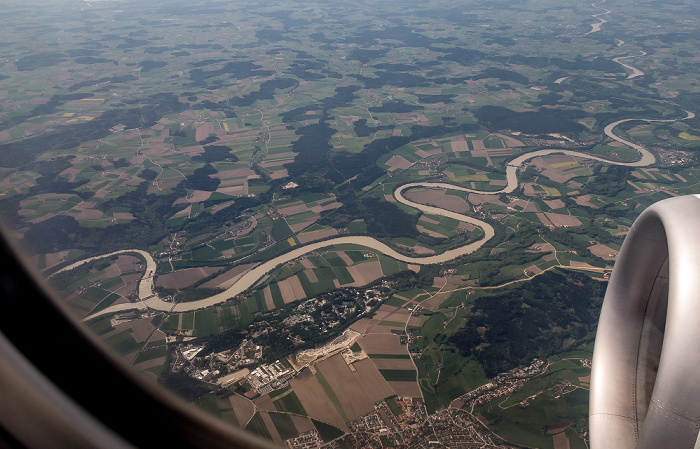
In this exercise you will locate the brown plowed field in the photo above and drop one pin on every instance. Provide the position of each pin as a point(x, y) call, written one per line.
point(554, 204)
point(311, 236)
point(306, 263)
point(406, 389)
point(271, 427)
point(348, 261)
point(603, 251)
point(131, 282)
point(361, 325)
point(459, 145)
point(291, 289)
point(233, 190)
point(311, 276)
point(365, 273)
point(315, 401)
point(391, 313)
point(376, 328)
point(242, 407)
point(397, 161)
point(183, 278)
point(302, 424)
point(561, 441)
point(406, 364)
point(279, 174)
point(414, 321)
point(268, 298)
point(299, 226)
point(357, 390)
point(264, 403)
point(228, 278)
point(382, 344)
point(562, 220)
point(293, 210)
point(437, 197)
point(202, 132)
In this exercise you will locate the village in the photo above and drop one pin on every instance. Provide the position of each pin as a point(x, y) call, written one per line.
point(395, 421)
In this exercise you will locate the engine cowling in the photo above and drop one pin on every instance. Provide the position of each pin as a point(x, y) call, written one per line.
point(645, 381)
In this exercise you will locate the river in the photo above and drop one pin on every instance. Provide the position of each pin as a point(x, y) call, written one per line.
point(149, 300)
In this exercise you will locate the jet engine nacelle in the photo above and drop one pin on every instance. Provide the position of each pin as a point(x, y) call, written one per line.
point(645, 382)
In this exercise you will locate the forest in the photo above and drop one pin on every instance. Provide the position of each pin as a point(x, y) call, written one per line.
point(536, 319)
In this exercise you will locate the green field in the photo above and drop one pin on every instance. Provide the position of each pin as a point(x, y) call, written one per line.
point(106, 302)
point(326, 431)
point(393, 406)
point(290, 403)
point(398, 375)
point(343, 275)
point(101, 327)
point(206, 322)
point(284, 425)
point(276, 295)
point(198, 130)
point(257, 426)
point(122, 343)
point(394, 301)
point(188, 320)
point(151, 353)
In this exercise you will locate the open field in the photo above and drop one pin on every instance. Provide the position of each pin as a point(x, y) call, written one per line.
point(243, 407)
point(382, 344)
point(291, 125)
point(314, 400)
point(365, 273)
point(183, 278)
point(356, 390)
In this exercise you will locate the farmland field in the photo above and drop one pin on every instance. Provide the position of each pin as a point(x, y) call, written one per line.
point(390, 199)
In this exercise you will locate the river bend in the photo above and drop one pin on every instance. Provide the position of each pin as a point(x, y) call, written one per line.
point(149, 300)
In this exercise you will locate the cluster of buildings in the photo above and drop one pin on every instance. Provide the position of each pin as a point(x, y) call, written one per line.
point(413, 427)
point(457, 428)
point(240, 228)
point(247, 353)
point(305, 440)
point(382, 427)
point(563, 388)
point(296, 319)
point(503, 384)
point(480, 211)
point(432, 164)
point(267, 378)
point(674, 157)
point(182, 357)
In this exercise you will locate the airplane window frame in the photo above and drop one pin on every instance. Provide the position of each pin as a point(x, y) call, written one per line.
point(53, 391)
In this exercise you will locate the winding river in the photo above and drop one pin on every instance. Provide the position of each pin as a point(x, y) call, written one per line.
point(149, 300)
point(635, 71)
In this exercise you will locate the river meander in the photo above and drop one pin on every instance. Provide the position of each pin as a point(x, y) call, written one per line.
point(149, 300)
